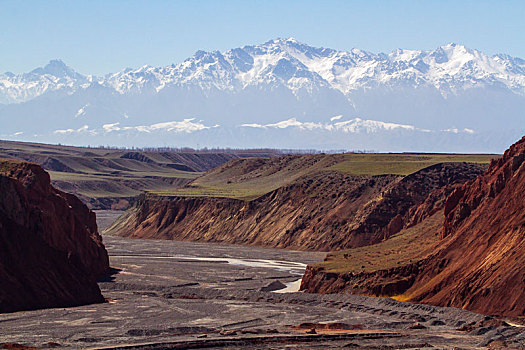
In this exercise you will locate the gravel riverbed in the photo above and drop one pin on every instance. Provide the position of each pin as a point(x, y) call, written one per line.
point(166, 294)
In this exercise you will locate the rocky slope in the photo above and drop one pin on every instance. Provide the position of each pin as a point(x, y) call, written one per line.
point(477, 264)
point(383, 269)
point(480, 266)
point(51, 252)
point(323, 210)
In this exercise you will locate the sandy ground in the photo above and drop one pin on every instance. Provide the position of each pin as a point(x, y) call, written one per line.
point(199, 295)
point(106, 217)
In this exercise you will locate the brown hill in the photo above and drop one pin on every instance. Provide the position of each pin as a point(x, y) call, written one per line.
point(110, 178)
point(306, 206)
point(472, 258)
point(50, 249)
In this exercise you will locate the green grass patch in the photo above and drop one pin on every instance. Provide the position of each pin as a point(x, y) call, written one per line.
point(251, 179)
point(245, 191)
point(200, 191)
point(400, 164)
point(405, 247)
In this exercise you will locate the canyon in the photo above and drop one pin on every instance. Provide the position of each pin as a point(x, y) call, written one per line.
point(407, 236)
point(315, 208)
point(395, 226)
point(174, 294)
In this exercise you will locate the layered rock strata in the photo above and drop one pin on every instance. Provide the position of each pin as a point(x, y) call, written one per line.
point(323, 211)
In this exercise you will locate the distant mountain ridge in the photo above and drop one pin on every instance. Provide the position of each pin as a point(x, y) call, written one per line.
point(449, 90)
point(449, 68)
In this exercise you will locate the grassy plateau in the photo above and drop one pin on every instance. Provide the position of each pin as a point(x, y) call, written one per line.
point(250, 178)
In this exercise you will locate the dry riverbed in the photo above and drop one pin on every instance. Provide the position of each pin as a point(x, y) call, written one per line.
point(177, 295)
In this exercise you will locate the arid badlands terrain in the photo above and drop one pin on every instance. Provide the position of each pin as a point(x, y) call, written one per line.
point(261, 251)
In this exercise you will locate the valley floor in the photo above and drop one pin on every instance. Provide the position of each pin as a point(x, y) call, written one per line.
point(171, 294)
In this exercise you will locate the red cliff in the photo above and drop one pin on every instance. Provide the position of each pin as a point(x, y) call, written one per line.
point(478, 260)
point(480, 265)
point(50, 250)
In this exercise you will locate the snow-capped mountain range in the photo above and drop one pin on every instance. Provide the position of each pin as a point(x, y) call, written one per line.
point(281, 84)
point(287, 62)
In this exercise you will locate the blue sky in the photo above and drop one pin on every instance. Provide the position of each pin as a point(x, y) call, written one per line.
point(98, 37)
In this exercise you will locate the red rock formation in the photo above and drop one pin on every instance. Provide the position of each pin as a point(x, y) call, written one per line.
point(423, 193)
point(51, 252)
point(481, 263)
point(376, 283)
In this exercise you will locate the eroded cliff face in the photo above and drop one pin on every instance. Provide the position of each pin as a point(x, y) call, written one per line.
point(388, 268)
point(479, 263)
point(322, 211)
point(313, 213)
point(51, 251)
point(387, 282)
point(422, 194)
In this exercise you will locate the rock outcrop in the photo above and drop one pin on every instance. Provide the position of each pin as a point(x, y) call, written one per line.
point(386, 282)
point(419, 195)
point(385, 269)
point(50, 250)
point(479, 262)
point(322, 211)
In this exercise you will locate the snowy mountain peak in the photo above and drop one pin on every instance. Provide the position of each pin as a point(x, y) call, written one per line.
point(282, 42)
point(56, 68)
point(453, 49)
point(453, 44)
point(56, 75)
